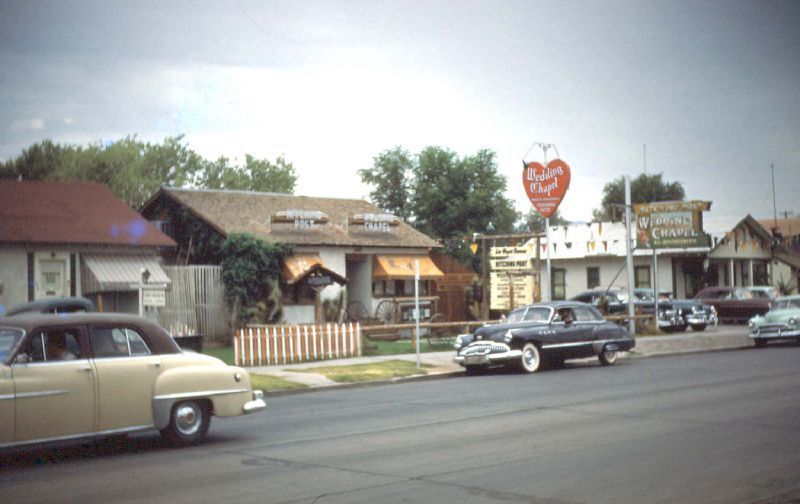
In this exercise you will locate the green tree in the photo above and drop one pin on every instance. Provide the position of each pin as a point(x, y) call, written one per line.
point(255, 175)
point(251, 270)
point(134, 170)
point(452, 197)
point(533, 222)
point(389, 176)
point(644, 189)
point(439, 193)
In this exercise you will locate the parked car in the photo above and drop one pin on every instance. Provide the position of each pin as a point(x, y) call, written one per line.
point(617, 303)
point(545, 331)
point(94, 374)
point(782, 321)
point(765, 291)
point(53, 306)
point(616, 300)
point(687, 312)
point(733, 304)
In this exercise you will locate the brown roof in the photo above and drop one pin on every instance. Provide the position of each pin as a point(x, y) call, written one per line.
point(787, 227)
point(254, 212)
point(74, 213)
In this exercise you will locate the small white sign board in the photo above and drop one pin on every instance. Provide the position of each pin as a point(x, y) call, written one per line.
point(152, 297)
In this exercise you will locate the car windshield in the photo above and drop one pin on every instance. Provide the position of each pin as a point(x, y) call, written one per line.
point(532, 314)
point(783, 304)
point(8, 340)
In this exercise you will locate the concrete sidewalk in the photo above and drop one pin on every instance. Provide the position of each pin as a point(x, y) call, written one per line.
point(712, 339)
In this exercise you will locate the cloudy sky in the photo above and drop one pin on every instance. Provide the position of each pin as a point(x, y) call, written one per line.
point(712, 88)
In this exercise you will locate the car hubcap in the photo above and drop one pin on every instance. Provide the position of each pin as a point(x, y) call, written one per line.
point(188, 418)
point(611, 356)
point(530, 358)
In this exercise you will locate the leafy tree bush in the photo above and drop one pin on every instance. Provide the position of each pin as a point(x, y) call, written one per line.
point(251, 272)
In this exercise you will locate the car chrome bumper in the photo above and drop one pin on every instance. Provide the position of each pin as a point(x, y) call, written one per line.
point(774, 331)
point(257, 404)
point(485, 353)
point(696, 319)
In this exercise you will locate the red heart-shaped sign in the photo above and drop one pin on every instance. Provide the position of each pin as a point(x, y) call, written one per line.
point(546, 185)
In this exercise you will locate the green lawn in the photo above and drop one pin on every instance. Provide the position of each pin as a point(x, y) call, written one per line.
point(269, 383)
point(368, 372)
point(223, 353)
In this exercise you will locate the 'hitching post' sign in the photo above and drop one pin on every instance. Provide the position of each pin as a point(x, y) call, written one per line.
point(511, 275)
point(671, 224)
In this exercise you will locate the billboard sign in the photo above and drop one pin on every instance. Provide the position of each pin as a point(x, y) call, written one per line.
point(671, 224)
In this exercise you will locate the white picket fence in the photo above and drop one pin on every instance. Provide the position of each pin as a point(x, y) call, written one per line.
point(261, 345)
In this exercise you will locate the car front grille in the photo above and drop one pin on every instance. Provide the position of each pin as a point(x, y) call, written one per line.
point(485, 348)
point(772, 328)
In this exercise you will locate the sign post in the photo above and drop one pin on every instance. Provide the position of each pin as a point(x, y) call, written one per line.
point(416, 306)
point(546, 186)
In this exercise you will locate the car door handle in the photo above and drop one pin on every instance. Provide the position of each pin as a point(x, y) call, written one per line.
point(86, 369)
point(156, 364)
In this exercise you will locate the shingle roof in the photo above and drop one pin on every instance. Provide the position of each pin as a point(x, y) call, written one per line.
point(252, 212)
point(71, 213)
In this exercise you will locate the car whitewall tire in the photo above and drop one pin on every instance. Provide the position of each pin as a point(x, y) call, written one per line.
point(531, 359)
point(608, 358)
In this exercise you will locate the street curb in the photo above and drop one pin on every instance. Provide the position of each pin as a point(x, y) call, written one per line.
point(451, 374)
point(345, 386)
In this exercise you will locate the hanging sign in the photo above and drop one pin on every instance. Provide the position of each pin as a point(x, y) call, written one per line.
point(546, 185)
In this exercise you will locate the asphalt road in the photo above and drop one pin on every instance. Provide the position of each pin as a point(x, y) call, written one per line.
point(705, 428)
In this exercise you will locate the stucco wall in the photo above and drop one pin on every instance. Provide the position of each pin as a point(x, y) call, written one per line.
point(576, 276)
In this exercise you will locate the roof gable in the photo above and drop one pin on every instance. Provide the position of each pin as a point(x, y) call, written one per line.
point(72, 213)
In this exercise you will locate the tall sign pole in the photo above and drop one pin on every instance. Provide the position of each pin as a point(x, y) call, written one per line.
point(629, 254)
point(546, 186)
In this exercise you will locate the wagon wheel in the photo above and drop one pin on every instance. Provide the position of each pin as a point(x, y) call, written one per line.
point(386, 311)
point(355, 311)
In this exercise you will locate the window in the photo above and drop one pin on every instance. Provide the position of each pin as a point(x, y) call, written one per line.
point(592, 277)
point(641, 276)
point(389, 288)
point(585, 314)
point(117, 342)
point(559, 284)
point(53, 345)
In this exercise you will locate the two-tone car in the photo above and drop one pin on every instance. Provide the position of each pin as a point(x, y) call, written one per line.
point(782, 321)
point(543, 332)
point(78, 375)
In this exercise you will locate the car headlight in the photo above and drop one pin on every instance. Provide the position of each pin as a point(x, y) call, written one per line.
point(508, 337)
point(459, 341)
point(792, 321)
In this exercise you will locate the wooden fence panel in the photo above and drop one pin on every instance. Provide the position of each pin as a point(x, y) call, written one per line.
point(261, 345)
point(195, 303)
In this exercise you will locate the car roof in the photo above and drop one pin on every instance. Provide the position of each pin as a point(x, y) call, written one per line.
point(51, 304)
point(554, 304)
point(156, 335)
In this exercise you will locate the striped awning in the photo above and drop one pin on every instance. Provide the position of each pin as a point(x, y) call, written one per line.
point(391, 267)
point(117, 272)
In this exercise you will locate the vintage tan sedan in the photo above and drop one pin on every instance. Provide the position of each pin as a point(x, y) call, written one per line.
point(71, 376)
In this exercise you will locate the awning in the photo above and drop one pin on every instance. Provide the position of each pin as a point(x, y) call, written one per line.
point(116, 272)
point(297, 267)
point(391, 267)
